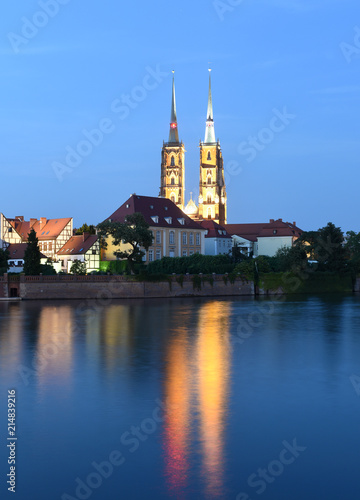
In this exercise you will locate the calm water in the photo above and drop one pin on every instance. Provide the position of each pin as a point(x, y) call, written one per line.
point(183, 399)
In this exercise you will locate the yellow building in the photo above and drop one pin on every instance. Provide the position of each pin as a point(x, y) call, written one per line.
point(172, 182)
point(174, 233)
point(212, 191)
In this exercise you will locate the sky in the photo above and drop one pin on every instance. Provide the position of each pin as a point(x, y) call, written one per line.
point(86, 91)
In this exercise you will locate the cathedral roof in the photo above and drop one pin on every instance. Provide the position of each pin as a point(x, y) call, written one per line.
point(191, 209)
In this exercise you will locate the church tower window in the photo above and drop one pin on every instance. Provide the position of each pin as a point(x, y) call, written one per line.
point(209, 155)
point(172, 161)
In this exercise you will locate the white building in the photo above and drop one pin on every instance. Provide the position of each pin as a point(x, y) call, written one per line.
point(264, 239)
point(217, 240)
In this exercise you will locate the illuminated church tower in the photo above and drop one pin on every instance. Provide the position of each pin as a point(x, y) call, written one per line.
point(212, 192)
point(172, 180)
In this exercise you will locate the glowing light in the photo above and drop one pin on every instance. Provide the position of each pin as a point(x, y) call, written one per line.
point(173, 125)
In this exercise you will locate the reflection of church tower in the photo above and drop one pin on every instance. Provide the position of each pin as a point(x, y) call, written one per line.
point(173, 162)
point(212, 193)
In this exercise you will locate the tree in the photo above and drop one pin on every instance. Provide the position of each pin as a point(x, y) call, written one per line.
point(326, 246)
point(85, 229)
point(352, 247)
point(32, 256)
point(4, 257)
point(134, 232)
point(290, 258)
point(78, 267)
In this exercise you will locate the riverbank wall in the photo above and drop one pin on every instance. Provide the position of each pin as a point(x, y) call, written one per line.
point(120, 287)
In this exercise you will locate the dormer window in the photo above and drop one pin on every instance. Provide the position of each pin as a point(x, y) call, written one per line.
point(155, 218)
point(182, 221)
point(127, 205)
point(168, 220)
point(152, 207)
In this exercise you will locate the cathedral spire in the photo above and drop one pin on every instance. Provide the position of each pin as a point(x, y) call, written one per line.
point(209, 130)
point(173, 134)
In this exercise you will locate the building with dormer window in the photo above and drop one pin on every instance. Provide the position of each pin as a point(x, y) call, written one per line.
point(174, 233)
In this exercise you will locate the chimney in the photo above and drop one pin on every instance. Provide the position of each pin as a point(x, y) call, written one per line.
point(20, 218)
point(271, 220)
point(42, 221)
point(280, 220)
point(294, 223)
point(85, 236)
point(32, 222)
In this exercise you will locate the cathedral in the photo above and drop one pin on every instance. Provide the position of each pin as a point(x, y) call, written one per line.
point(212, 193)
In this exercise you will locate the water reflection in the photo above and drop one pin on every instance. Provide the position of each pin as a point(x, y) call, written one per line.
point(196, 390)
point(54, 349)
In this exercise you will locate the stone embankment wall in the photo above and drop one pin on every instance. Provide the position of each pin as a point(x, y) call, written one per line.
point(98, 287)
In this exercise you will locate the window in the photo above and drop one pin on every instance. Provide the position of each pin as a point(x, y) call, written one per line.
point(50, 247)
point(172, 198)
point(151, 255)
point(209, 180)
point(184, 253)
point(155, 218)
point(191, 238)
point(81, 249)
point(198, 239)
point(184, 238)
point(191, 252)
point(158, 237)
point(172, 161)
point(94, 252)
point(168, 220)
point(172, 253)
point(172, 182)
point(209, 213)
point(209, 155)
point(127, 205)
point(158, 254)
point(208, 199)
point(172, 238)
point(182, 221)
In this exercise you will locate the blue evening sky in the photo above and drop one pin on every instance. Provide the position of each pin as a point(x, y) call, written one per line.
point(65, 74)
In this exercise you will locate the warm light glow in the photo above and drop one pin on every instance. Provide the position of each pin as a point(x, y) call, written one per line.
point(213, 375)
point(173, 125)
point(178, 394)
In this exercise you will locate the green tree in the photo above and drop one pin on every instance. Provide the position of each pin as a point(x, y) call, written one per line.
point(352, 247)
point(4, 256)
point(78, 267)
point(326, 246)
point(290, 258)
point(85, 229)
point(32, 266)
point(134, 232)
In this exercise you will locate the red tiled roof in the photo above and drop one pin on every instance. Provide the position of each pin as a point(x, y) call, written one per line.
point(213, 229)
point(17, 251)
point(46, 229)
point(280, 228)
point(152, 207)
point(252, 232)
point(247, 231)
point(78, 245)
